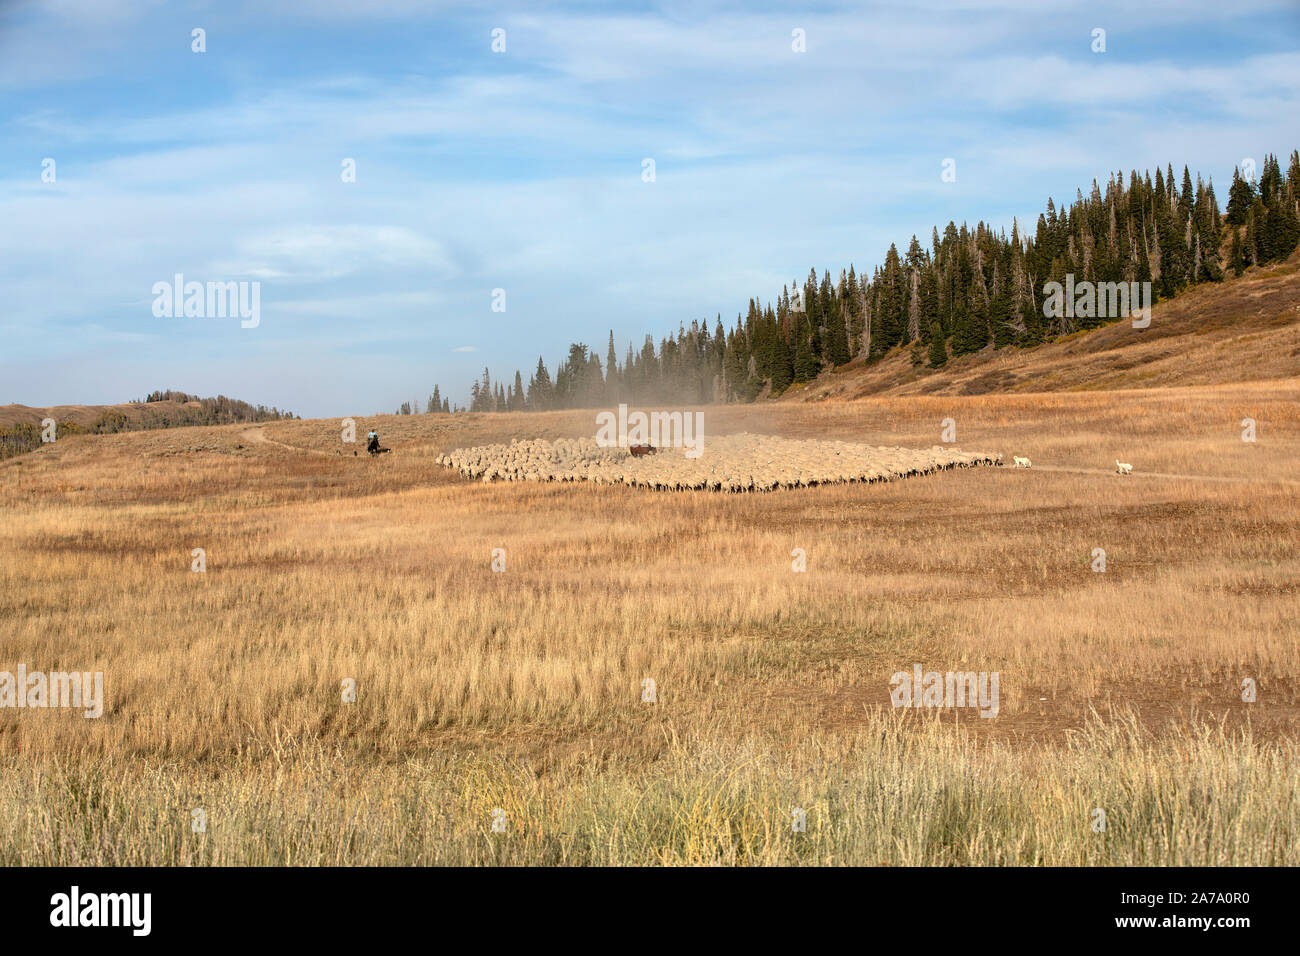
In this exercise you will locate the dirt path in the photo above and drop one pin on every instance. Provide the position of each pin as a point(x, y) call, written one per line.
point(258, 435)
point(1165, 475)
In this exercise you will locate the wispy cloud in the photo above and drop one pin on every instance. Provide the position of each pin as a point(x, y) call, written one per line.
point(522, 170)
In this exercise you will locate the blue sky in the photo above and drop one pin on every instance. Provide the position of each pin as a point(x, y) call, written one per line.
point(522, 170)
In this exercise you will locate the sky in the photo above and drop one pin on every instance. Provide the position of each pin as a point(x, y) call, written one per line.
point(524, 169)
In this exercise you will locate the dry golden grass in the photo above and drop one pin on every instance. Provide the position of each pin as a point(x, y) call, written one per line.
point(522, 689)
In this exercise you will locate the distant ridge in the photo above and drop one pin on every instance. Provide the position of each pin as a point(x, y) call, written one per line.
point(21, 425)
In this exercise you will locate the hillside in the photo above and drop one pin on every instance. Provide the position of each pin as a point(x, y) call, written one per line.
point(20, 425)
point(968, 292)
point(137, 414)
point(1241, 330)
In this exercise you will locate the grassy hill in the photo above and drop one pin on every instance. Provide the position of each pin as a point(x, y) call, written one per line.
point(20, 425)
point(1242, 330)
point(137, 414)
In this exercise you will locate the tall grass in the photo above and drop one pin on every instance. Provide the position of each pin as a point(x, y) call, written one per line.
point(891, 793)
point(521, 690)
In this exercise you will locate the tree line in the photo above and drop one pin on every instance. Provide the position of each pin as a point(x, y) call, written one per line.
point(21, 438)
point(211, 411)
point(966, 291)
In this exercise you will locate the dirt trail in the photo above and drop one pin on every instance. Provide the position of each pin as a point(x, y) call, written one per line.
point(1166, 475)
point(256, 435)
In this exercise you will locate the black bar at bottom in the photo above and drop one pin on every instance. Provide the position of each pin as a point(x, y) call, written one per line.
point(926, 906)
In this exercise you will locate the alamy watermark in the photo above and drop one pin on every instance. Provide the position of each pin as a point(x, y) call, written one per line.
point(953, 689)
point(1098, 300)
point(213, 300)
point(656, 429)
point(38, 689)
point(128, 910)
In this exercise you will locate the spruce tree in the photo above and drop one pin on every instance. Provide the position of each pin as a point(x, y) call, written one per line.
point(1004, 332)
point(938, 352)
point(540, 389)
point(837, 336)
point(805, 365)
point(1285, 228)
point(782, 364)
point(611, 370)
point(1240, 196)
point(1251, 240)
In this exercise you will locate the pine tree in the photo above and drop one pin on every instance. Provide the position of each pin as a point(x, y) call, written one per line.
point(733, 368)
point(972, 331)
point(938, 352)
point(837, 335)
point(1000, 316)
point(918, 353)
point(914, 307)
point(1285, 227)
point(891, 320)
point(805, 366)
point(782, 364)
point(540, 389)
point(853, 303)
point(611, 371)
point(1251, 240)
point(1240, 196)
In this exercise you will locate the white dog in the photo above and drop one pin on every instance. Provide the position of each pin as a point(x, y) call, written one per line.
point(1123, 468)
point(1020, 462)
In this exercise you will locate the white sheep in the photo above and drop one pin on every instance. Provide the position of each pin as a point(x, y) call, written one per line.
point(741, 464)
point(1021, 462)
point(1123, 467)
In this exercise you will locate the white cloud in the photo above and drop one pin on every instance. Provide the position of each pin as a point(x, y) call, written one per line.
point(331, 252)
point(523, 171)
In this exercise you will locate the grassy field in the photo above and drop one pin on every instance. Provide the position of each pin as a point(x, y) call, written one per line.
point(522, 690)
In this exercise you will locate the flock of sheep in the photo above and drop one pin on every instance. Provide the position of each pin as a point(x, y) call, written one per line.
point(731, 463)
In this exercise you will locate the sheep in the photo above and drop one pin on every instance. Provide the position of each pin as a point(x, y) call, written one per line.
point(1123, 467)
point(737, 463)
point(1021, 462)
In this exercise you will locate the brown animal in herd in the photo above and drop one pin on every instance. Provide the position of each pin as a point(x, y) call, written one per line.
point(639, 451)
